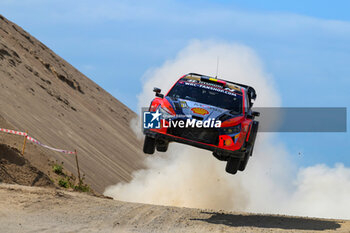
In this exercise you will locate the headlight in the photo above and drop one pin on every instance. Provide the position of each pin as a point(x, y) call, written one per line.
point(166, 114)
point(232, 130)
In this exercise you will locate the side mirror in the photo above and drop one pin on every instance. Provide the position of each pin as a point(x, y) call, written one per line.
point(253, 114)
point(157, 91)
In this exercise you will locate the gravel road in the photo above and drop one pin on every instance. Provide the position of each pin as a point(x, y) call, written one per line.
point(36, 209)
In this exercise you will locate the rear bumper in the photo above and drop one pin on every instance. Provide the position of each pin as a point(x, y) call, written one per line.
point(213, 148)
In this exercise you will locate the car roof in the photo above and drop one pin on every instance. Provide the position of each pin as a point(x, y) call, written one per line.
point(250, 91)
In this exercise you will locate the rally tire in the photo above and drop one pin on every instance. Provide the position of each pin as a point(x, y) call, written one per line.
point(253, 133)
point(149, 145)
point(162, 147)
point(244, 162)
point(250, 145)
point(232, 165)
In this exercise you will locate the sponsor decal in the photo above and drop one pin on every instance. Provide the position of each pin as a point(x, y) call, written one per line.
point(183, 104)
point(200, 111)
point(227, 91)
point(235, 138)
point(207, 106)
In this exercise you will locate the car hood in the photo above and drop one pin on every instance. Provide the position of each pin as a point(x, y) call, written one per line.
point(191, 109)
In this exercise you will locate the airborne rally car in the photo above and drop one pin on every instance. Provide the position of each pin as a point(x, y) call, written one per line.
point(204, 112)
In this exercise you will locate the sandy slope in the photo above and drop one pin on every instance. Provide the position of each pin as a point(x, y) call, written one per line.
point(34, 209)
point(16, 169)
point(42, 93)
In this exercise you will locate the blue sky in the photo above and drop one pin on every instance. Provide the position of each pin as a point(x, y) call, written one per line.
point(304, 45)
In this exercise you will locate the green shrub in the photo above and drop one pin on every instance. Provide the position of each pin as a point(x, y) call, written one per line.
point(82, 188)
point(58, 169)
point(63, 183)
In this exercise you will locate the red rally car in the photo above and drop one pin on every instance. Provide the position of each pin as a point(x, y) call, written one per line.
point(208, 113)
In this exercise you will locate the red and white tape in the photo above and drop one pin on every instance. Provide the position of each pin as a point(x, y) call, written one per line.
point(13, 132)
point(35, 141)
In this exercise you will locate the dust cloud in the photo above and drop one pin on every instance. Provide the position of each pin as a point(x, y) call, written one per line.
point(189, 177)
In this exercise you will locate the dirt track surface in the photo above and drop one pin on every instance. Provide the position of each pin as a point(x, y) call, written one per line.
point(36, 209)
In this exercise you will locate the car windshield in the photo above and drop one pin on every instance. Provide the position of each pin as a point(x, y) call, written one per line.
point(207, 95)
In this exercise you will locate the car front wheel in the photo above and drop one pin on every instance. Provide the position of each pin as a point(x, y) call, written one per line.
point(149, 145)
point(232, 165)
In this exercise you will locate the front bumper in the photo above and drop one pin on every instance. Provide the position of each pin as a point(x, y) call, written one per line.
point(216, 149)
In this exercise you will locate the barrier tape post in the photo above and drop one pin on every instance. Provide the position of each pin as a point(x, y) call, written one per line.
point(76, 160)
point(24, 143)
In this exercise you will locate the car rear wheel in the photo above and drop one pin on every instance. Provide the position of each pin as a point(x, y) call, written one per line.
point(162, 147)
point(232, 165)
point(250, 145)
point(244, 162)
point(149, 145)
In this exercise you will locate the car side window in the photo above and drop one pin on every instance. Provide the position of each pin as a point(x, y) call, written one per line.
point(246, 107)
